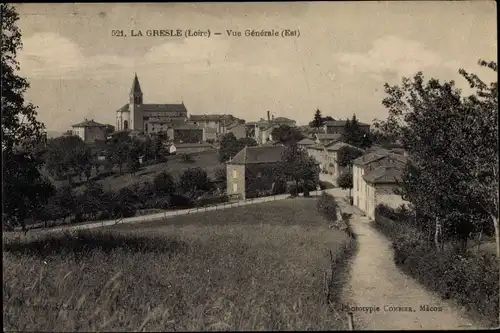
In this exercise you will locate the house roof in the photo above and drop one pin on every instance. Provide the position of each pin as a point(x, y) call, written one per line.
point(260, 123)
point(233, 125)
point(262, 154)
point(328, 136)
point(212, 117)
point(89, 123)
point(337, 145)
point(163, 108)
point(185, 126)
point(271, 126)
point(306, 142)
point(283, 119)
point(376, 156)
point(340, 123)
point(384, 175)
point(124, 108)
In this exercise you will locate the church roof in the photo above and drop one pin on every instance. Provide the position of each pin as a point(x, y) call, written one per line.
point(123, 108)
point(163, 107)
point(136, 87)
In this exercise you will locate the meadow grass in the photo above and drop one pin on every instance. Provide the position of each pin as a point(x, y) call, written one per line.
point(247, 268)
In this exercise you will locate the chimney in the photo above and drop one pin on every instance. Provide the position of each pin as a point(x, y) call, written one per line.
point(268, 115)
point(272, 116)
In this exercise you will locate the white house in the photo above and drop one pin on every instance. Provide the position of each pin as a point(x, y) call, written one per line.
point(90, 131)
point(366, 164)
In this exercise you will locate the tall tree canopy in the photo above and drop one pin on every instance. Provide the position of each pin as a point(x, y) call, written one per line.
point(24, 189)
point(355, 135)
point(287, 135)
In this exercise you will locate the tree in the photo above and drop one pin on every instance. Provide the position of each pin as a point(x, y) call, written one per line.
point(133, 164)
point(312, 123)
point(221, 177)
point(287, 135)
point(346, 155)
point(355, 135)
point(67, 156)
point(228, 147)
point(318, 120)
point(300, 167)
point(345, 181)
point(24, 188)
point(164, 184)
point(193, 182)
point(249, 142)
point(439, 131)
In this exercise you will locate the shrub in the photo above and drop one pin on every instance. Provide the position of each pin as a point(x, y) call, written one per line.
point(470, 280)
point(327, 206)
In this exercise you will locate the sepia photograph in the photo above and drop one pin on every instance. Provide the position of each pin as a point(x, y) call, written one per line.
point(272, 166)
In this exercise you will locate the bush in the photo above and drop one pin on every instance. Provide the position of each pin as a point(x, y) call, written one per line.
point(327, 206)
point(470, 280)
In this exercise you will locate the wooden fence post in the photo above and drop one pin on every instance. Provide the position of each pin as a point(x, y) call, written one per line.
point(350, 320)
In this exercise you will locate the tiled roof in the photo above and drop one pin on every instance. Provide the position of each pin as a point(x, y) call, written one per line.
point(283, 119)
point(328, 136)
point(263, 154)
point(185, 126)
point(317, 146)
point(384, 175)
point(163, 108)
point(233, 125)
point(368, 158)
point(337, 145)
point(212, 117)
point(89, 123)
point(306, 141)
point(340, 123)
point(123, 108)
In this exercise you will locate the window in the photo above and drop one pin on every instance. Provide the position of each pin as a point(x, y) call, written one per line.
point(125, 125)
point(235, 187)
point(234, 173)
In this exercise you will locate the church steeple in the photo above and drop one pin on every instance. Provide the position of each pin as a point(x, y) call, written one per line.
point(136, 92)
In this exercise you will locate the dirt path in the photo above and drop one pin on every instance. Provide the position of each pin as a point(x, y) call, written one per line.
point(376, 282)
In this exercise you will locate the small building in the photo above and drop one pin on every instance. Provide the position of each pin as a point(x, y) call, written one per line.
point(327, 137)
point(246, 171)
point(186, 133)
point(381, 186)
point(364, 165)
point(90, 131)
point(305, 143)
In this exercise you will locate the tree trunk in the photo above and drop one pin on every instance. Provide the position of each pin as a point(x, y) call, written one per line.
point(497, 239)
point(480, 238)
point(437, 232)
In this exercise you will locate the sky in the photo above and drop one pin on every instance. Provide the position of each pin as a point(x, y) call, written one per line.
point(345, 53)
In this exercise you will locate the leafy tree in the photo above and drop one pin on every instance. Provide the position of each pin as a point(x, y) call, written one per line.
point(133, 164)
point(287, 135)
point(90, 202)
point(193, 182)
point(67, 156)
point(158, 149)
point(164, 184)
point(345, 181)
point(355, 135)
point(228, 147)
point(109, 129)
point(249, 142)
point(300, 167)
point(347, 154)
point(24, 188)
point(323, 119)
point(443, 135)
point(118, 153)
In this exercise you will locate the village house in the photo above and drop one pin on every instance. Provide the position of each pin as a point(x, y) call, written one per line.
point(186, 133)
point(246, 170)
point(90, 131)
point(219, 122)
point(381, 185)
point(327, 137)
point(261, 130)
point(338, 126)
point(238, 129)
point(332, 166)
point(305, 143)
point(188, 148)
point(364, 165)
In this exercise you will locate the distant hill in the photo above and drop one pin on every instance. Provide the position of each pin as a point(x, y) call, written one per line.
point(53, 134)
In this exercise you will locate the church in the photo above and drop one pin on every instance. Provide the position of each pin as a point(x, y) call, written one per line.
point(135, 115)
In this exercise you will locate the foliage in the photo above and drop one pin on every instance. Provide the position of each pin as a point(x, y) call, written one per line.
point(287, 135)
point(345, 180)
point(187, 158)
point(193, 182)
point(472, 281)
point(312, 123)
point(347, 154)
point(24, 188)
point(300, 167)
point(318, 119)
point(442, 134)
point(164, 184)
point(355, 135)
point(230, 146)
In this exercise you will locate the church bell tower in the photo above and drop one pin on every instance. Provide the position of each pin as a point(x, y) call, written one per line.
point(135, 101)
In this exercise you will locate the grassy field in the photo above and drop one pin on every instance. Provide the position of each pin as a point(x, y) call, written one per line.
point(247, 268)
